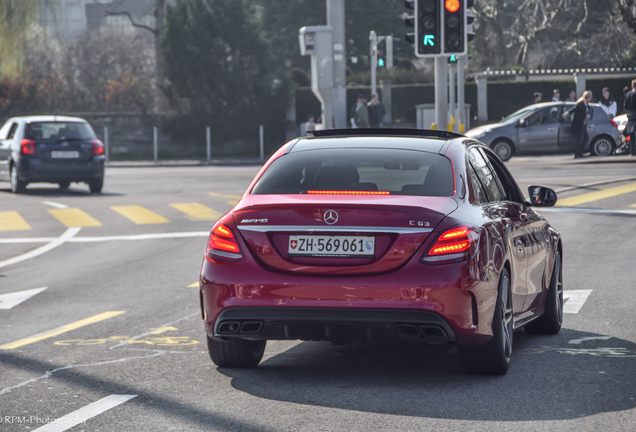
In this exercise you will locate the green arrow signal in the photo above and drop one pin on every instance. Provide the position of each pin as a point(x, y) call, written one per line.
point(429, 40)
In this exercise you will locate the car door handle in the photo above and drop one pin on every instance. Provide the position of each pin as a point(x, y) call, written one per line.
point(523, 216)
point(552, 129)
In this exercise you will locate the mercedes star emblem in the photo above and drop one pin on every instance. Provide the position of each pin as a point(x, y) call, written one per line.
point(330, 217)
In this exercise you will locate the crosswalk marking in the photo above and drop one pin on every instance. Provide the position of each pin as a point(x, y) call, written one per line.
point(12, 221)
point(74, 217)
point(197, 211)
point(595, 196)
point(140, 215)
point(574, 300)
point(215, 194)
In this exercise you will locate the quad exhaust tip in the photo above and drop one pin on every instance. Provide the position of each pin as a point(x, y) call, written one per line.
point(240, 327)
point(421, 331)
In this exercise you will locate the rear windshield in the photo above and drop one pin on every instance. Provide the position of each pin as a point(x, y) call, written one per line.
point(367, 171)
point(59, 131)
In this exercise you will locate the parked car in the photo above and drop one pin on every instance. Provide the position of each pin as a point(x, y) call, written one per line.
point(382, 235)
point(621, 123)
point(541, 129)
point(52, 149)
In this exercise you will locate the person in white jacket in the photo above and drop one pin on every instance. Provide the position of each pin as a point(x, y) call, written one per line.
point(608, 103)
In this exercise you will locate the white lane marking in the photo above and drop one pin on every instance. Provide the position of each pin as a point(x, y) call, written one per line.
point(54, 204)
point(68, 234)
point(9, 300)
point(574, 300)
point(108, 238)
point(81, 415)
point(580, 341)
point(587, 210)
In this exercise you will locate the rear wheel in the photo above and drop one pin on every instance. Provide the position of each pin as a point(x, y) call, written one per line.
point(96, 185)
point(495, 357)
point(503, 149)
point(17, 185)
point(550, 322)
point(64, 184)
point(236, 353)
point(602, 146)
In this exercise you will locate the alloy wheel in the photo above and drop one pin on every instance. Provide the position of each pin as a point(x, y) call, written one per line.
point(602, 147)
point(506, 318)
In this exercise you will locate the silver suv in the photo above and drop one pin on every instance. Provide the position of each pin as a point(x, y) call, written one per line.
point(541, 129)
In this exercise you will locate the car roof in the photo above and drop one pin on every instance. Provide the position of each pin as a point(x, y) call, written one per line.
point(404, 139)
point(49, 118)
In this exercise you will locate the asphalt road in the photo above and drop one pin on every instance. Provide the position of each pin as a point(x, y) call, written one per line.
point(117, 333)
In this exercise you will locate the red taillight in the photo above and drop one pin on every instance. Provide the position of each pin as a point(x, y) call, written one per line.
point(341, 192)
point(222, 244)
point(27, 147)
point(627, 138)
point(613, 123)
point(452, 246)
point(98, 147)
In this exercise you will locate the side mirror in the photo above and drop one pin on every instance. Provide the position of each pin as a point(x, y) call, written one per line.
point(541, 196)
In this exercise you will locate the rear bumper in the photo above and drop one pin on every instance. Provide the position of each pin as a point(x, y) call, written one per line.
point(332, 324)
point(35, 170)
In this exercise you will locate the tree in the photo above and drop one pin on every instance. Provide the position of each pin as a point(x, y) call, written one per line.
point(219, 71)
point(16, 17)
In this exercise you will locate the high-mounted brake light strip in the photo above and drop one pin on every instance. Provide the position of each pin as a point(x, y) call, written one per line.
point(339, 192)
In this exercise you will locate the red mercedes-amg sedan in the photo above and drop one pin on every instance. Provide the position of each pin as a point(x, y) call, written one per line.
point(382, 235)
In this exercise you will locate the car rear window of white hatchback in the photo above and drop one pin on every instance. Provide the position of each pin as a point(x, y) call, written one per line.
point(358, 171)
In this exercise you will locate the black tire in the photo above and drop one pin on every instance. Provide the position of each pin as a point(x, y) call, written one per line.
point(64, 184)
point(494, 358)
point(17, 185)
point(96, 185)
point(602, 146)
point(503, 149)
point(552, 320)
point(236, 353)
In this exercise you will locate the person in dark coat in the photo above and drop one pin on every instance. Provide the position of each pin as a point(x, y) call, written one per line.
point(630, 110)
point(579, 122)
point(376, 111)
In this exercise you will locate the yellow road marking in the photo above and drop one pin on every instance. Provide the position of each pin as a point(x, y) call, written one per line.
point(198, 211)
point(12, 221)
point(633, 205)
point(140, 215)
point(163, 330)
point(193, 285)
point(214, 194)
point(594, 196)
point(74, 217)
point(60, 330)
point(232, 202)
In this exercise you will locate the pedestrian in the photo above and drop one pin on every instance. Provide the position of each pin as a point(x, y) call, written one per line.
point(572, 96)
point(621, 101)
point(608, 104)
point(579, 122)
point(556, 95)
point(537, 97)
point(310, 125)
point(630, 110)
point(360, 117)
point(376, 111)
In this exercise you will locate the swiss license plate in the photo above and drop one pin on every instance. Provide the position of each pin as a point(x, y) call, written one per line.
point(64, 154)
point(331, 246)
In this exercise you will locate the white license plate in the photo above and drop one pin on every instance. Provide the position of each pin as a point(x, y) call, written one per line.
point(64, 154)
point(331, 246)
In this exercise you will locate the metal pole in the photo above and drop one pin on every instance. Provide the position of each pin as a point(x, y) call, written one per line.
point(106, 151)
point(451, 95)
point(336, 19)
point(389, 52)
point(461, 109)
point(261, 136)
point(208, 143)
point(155, 143)
point(374, 59)
point(441, 93)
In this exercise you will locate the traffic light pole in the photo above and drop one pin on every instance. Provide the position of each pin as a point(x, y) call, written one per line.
point(336, 19)
point(374, 59)
point(451, 95)
point(441, 93)
point(461, 111)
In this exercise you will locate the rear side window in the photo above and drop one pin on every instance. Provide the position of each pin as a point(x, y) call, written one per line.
point(359, 171)
point(59, 131)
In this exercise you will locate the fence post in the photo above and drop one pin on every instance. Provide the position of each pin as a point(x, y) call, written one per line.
point(208, 142)
point(106, 151)
point(262, 142)
point(155, 143)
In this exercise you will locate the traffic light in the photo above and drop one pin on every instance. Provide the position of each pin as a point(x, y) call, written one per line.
point(454, 26)
point(409, 20)
point(470, 17)
point(381, 55)
point(452, 59)
point(427, 28)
